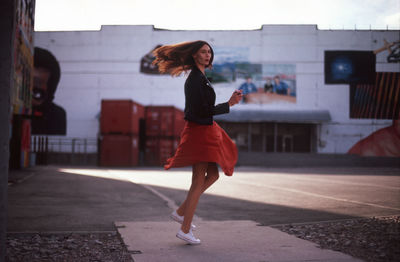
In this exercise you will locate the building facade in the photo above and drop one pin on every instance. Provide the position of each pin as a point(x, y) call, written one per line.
point(313, 114)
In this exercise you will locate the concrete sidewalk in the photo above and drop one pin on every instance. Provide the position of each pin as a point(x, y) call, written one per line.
point(221, 241)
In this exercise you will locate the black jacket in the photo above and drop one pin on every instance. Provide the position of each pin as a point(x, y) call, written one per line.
point(200, 99)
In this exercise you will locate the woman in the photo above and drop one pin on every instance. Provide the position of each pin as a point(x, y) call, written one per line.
point(203, 143)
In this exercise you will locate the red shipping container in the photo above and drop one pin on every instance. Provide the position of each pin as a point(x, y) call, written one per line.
point(159, 149)
point(119, 150)
point(164, 121)
point(120, 117)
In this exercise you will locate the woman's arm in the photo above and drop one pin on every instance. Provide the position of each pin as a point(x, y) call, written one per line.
point(221, 108)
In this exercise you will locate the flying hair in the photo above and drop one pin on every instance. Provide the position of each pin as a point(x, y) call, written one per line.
point(178, 58)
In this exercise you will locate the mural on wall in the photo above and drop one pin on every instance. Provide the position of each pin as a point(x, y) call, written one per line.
point(48, 118)
point(376, 101)
point(231, 63)
point(384, 142)
point(23, 57)
point(372, 96)
point(22, 76)
point(348, 67)
point(146, 65)
point(275, 83)
point(260, 83)
point(394, 54)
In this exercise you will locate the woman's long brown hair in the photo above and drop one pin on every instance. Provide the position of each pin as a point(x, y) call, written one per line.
point(178, 58)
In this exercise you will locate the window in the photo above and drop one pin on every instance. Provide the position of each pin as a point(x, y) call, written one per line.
point(272, 137)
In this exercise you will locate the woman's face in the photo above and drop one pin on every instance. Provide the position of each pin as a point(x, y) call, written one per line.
point(203, 56)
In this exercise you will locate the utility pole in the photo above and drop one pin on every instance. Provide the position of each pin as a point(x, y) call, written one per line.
point(7, 28)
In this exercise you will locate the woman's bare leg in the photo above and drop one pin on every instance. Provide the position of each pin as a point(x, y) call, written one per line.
point(198, 179)
point(212, 176)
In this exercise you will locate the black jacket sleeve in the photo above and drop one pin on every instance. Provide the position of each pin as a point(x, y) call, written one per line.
point(221, 109)
point(203, 98)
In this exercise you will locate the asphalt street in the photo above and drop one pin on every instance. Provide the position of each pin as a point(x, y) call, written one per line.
point(53, 198)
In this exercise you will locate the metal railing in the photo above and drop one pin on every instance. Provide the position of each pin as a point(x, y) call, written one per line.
point(64, 150)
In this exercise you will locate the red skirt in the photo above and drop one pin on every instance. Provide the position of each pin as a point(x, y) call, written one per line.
point(204, 143)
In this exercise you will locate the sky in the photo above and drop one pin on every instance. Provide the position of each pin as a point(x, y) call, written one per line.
point(76, 15)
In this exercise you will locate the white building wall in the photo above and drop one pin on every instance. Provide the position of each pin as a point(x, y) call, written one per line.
point(105, 64)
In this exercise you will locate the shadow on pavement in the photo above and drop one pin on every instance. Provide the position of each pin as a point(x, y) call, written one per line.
point(220, 208)
point(51, 200)
point(54, 201)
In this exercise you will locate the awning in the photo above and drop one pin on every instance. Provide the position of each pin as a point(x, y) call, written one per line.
point(287, 116)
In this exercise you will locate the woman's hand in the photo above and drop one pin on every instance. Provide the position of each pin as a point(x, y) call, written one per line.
point(235, 98)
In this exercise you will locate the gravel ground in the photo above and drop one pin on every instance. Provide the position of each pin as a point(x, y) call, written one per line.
point(104, 247)
point(370, 239)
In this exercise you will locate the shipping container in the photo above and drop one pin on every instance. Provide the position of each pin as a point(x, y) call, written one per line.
point(164, 121)
point(119, 150)
point(159, 149)
point(120, 117)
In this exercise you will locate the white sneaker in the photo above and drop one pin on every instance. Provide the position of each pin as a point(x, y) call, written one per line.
point(179, 219)
point(189, 237)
